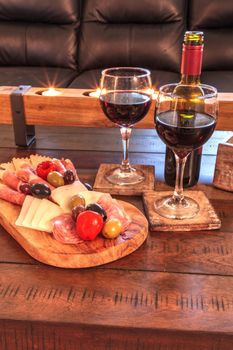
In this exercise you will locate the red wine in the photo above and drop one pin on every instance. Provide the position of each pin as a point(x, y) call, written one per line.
point(125, 108)
point(184, 131)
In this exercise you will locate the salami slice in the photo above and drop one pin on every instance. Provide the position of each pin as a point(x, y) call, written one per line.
point(114, 210)
point(64, 229)
point(11, 196)
point(11, 180)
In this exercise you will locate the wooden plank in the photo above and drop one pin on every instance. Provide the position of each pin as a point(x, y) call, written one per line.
point(16, 335)
point(111, 298)
point(73, 108)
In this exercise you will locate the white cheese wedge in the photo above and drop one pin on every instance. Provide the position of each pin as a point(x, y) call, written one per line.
point(52, 210)
point(62, 195)
point(25, 207)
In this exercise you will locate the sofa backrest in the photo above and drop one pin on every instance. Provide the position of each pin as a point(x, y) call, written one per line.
point(215, 19)
point(132, 33)
point(39, 32)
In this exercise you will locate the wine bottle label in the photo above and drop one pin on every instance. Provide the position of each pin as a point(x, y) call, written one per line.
point(191, 59)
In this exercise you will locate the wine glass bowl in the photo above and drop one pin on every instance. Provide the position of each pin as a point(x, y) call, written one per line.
point(125, 99)
point(184, 124)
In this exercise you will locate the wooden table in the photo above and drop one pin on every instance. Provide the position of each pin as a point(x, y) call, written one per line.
point(174, 293)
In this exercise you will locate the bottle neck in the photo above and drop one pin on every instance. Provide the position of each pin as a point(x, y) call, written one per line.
point(191, 64)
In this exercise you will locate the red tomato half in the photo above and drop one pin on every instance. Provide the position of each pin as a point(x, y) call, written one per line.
point(89, 224)
point(44, 168)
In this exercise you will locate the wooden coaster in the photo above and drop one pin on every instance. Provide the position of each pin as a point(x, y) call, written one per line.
point(223, 174)
point(206, 219)
point(102, 185)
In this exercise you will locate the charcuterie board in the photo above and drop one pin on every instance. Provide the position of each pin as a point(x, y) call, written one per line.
point(44, 248)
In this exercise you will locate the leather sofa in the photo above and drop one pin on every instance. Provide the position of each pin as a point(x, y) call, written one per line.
point(67, 43)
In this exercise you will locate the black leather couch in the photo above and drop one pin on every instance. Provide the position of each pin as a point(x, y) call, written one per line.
point(68, 42)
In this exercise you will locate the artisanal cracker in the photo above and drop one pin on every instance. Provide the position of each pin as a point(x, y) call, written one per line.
point(7, 166)
point(18, 162)
point(36, 159)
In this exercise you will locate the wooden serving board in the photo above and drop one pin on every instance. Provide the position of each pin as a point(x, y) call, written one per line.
point(44, 248)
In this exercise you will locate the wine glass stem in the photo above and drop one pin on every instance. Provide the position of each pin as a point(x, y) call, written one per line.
point(125, 135)
point(178, 195)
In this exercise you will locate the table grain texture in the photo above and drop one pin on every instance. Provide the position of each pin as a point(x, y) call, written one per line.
point(174, 293)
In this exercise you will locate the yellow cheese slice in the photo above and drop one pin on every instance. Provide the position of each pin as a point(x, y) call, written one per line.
point(23, 212)
point(62, 195)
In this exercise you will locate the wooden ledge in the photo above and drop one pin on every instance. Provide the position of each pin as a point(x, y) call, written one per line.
point(73, 108)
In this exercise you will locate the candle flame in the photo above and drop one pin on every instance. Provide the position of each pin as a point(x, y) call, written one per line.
point(51, 92)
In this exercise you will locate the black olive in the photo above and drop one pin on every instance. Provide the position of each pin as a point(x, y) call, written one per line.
point(69, 177)
point(25, 188)
point(40, 190)
point(88, 186)
point(98, 209)
point(77, 210)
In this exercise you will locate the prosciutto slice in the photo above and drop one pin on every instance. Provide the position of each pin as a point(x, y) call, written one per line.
point(11, 195)
point(11, 180)
point(25, 173)
point(114, 210)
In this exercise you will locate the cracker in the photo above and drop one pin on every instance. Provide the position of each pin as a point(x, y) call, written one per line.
point(18, 162)
point(8, 166)
point(36, 159)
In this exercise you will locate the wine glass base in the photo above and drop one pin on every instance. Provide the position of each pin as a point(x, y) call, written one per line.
point(132, 176)
point(169, 208)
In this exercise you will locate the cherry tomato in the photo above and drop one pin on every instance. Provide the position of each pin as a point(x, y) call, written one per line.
point(112, 228)
point(44, 168)
point(89, 224)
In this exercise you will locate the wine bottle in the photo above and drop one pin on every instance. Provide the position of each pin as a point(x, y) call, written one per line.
point(188, 88)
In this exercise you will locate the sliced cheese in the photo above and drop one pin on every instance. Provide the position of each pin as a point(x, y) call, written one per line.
point(31, 212)
point(62, 195)
point(39, 213)
point(52, 210)
point(91, 196)
point(25, 207)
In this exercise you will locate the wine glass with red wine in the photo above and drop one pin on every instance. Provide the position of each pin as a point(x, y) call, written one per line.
point(183, 124)
point(125, 99)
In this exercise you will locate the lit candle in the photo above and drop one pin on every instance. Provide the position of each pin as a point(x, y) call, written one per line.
point(95, 93)
point(51, 92)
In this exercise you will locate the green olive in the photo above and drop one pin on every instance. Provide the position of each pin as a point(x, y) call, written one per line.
point(77, 200)
point(112, 228)
point(55, 179)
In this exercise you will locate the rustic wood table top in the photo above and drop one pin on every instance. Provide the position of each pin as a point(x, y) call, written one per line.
point(174, 293)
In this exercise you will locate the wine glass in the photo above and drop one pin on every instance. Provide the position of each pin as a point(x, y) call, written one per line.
point(184, 124)
point(125, 99)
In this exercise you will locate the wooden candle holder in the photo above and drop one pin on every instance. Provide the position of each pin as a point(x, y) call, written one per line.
point(223, 174)
point(74, 107)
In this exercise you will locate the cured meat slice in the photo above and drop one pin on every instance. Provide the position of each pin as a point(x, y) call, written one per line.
point(70, 166)
point(114, 210)
point(60, 166)
point(27, 174)
point(11, 196)
point(11, 180)
point(64, 229)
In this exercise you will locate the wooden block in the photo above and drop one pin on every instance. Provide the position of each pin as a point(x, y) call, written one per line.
point(206, 219)
point(103, 185)
point(223, 174)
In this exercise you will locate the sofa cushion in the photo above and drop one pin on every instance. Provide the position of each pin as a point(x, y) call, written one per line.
point(39, 33)
point(36, 76)
point(90, 79)
point(222, 80)
point(132, 33)
point(215, 18)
